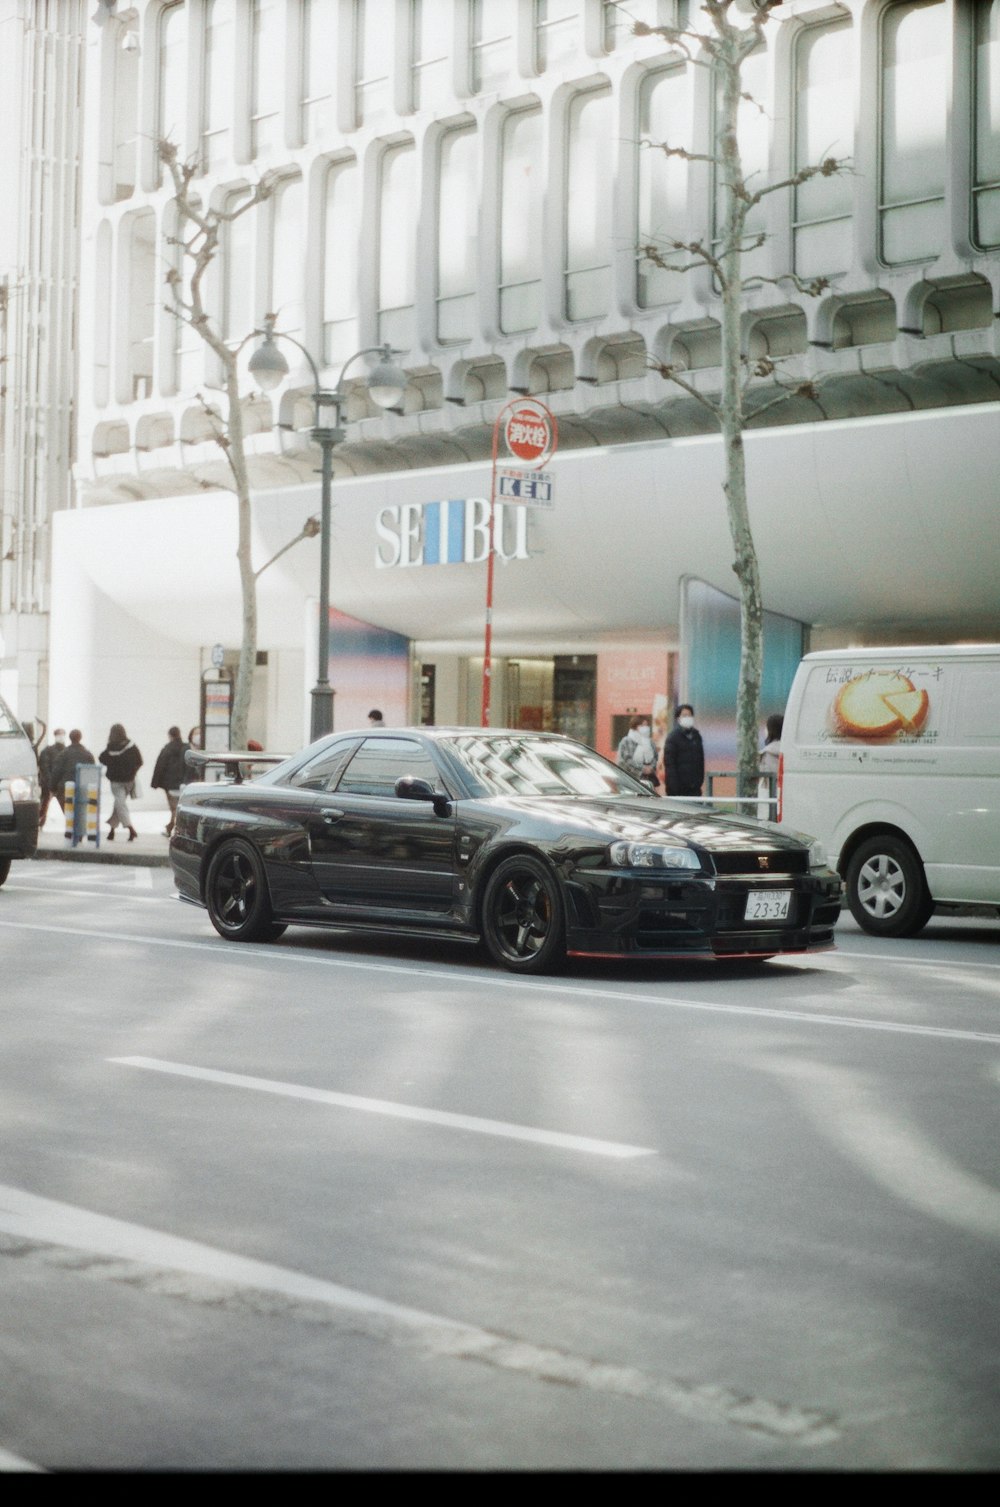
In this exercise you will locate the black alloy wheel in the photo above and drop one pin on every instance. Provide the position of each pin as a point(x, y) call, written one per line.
point(887, 889)
point(237, 896)
point(523, 918)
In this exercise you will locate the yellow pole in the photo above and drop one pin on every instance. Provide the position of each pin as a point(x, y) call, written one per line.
point(69, 801)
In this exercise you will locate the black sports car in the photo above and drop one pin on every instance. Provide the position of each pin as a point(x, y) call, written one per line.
point(529, 841)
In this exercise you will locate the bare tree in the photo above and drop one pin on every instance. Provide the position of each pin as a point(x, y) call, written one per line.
point(198, 239)
point(724, 48)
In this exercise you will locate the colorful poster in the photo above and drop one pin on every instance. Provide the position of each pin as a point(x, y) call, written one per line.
point(369, 668)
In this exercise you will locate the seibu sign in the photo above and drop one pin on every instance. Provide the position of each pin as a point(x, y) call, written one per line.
point(529, 432)
point(453, 532)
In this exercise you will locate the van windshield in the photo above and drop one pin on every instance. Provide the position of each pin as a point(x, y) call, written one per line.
point(9, 725)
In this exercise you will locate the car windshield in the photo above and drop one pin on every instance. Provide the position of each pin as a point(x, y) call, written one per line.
point(514, 765)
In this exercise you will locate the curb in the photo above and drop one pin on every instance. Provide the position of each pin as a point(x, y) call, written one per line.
point(79, 854)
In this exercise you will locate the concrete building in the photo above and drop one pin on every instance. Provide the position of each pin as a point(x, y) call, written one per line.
point(472, 181)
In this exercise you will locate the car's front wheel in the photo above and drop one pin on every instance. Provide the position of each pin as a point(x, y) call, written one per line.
point(524, 924)
point(236, 894)
point(887, 890)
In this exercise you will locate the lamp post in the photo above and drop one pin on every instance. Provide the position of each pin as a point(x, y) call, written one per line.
point(385, 384)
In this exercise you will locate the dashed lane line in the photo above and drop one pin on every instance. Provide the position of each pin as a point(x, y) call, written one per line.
point(560, 1139)
point(484, 979)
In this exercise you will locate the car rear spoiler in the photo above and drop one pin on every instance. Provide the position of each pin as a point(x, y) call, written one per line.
point(238, 764)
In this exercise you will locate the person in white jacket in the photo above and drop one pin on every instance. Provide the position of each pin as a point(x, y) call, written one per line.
point(636, 753)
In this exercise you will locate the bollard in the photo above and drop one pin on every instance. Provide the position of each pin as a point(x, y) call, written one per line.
point(69, 806)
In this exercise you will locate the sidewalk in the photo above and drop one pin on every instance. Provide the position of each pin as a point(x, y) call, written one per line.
point(149, 849)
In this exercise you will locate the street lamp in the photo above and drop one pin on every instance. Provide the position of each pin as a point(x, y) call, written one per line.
point(385, 384)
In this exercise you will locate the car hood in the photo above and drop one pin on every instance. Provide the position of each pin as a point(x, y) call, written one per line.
point(612, 819)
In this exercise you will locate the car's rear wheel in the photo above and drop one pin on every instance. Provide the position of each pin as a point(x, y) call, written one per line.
point(887, 889)
point(236, 894)
point(524, 924)
point(4, 868)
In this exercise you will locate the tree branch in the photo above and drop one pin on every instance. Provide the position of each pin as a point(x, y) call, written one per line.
point(670, 374)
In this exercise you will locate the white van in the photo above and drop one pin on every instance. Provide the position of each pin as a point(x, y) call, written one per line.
point(891, 757)
point(18, 792)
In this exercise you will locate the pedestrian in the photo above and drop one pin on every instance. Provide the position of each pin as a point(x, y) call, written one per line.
point(169, 771)
point(375, 718)
point(123, 761)
point(46, 765)
point(769, 757)
point(194, 772)
point(684, 755)
point(636, 754)
point(64, 767)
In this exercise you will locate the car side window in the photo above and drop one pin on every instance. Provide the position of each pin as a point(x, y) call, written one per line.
point(323, 772)
point(380, 762)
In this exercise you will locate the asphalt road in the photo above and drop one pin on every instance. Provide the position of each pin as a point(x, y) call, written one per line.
point(330, 1204)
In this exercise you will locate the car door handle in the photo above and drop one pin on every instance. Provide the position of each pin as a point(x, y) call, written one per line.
point(330, 815)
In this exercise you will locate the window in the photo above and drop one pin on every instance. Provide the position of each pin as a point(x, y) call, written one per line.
point(588, 205)
point(380, 762)
point(986, 165)
point(913, 122)
point(753, 136)
point(430, 39)
point(185, 343)
point(287, 282)
point(172, 100)
point(126, 120)
point(664, 119)
point(319, 62)
point(492, 43)
point(619, 18)
point(217, 113)
point(323, 772)
point(139, 258)
point(557, 27)
point(267, 39)
point(521, 194)
point(373, 37)
point(824, 127)
point(341, 229)
point(239, 304)
point(458, 203)
point(396, 255)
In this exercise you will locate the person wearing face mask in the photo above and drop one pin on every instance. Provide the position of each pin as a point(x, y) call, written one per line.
point(636, 754)
point(684, 755)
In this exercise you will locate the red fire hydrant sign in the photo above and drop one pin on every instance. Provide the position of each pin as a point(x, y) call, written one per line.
point(529, 432)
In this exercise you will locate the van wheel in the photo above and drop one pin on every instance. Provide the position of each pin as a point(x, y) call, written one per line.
point(4, 868)
point(887, 889)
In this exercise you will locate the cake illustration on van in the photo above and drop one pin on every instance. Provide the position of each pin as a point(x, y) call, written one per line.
point(879, 704)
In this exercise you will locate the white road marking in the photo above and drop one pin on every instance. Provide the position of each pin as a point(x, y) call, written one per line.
point(44, 889)
point(139, 1252)
point(395, 1111)
point(887, 957)
point(14, 1463)
point(270, 955)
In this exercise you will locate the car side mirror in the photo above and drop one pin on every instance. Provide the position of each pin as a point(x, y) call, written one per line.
point(410, 788)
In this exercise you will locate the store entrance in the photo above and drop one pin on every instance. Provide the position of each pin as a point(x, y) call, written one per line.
point(557, 694)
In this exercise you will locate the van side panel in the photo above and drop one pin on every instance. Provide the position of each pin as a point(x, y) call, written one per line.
point(872, 743)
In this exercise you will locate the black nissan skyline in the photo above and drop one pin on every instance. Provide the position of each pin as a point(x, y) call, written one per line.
point(530, 843)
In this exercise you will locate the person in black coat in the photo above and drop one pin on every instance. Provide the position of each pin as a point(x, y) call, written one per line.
point(46, 770)
point(64, 768)
point(684, 755)
point(123, 761)
point(170, 772)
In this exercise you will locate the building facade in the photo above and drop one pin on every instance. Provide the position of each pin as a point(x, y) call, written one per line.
point(473, 182)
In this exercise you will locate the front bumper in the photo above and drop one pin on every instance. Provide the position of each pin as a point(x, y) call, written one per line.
point(624, 915)
point(18, 828)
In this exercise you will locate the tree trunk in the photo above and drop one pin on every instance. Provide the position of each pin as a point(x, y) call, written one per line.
point(731, 418)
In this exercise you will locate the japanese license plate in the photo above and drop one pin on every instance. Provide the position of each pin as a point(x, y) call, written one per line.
point(768, 905)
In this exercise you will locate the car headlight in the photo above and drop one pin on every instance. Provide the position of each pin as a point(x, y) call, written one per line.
point(818, 856)
point(649, 855)
point(22, 789)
